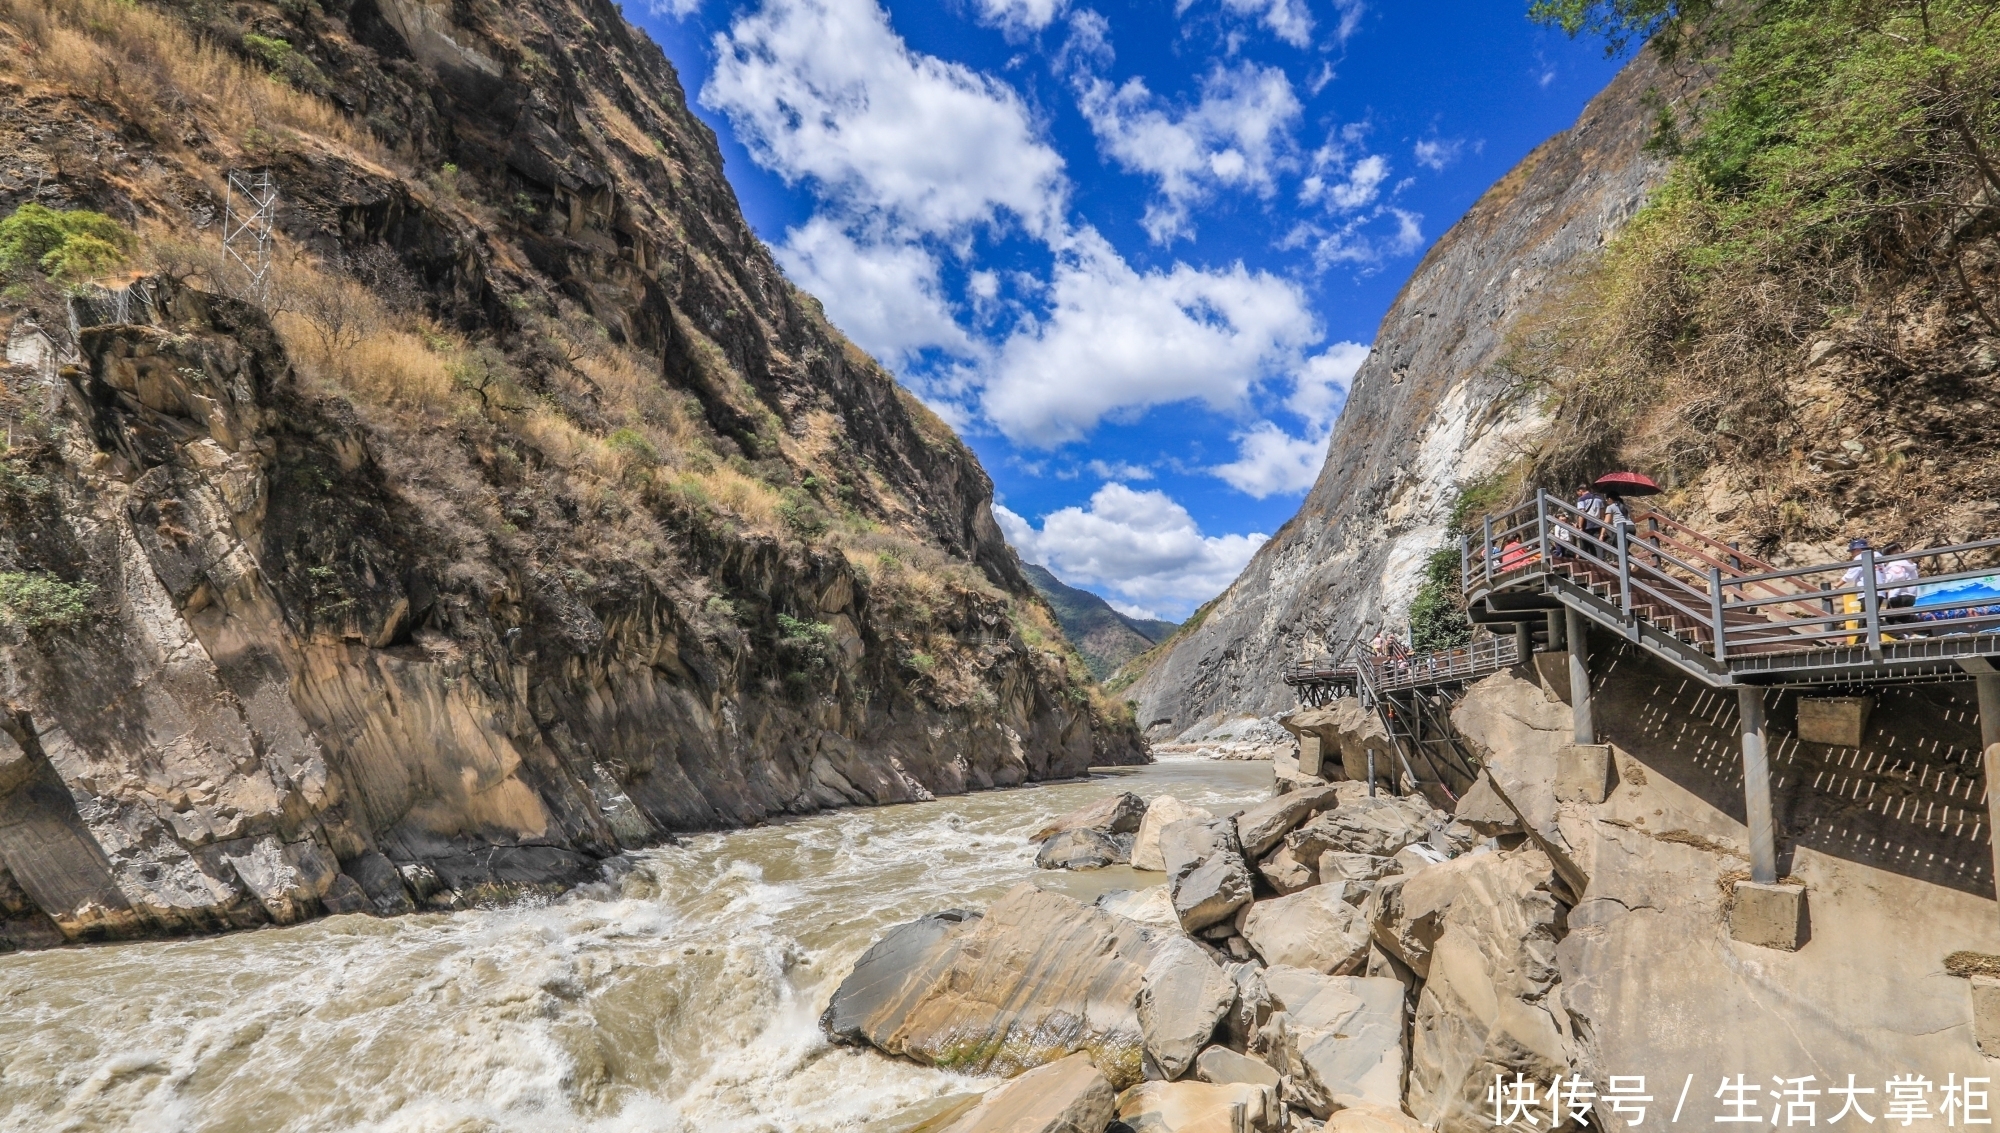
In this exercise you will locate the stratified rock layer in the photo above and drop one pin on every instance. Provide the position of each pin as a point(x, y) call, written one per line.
point(339, 657)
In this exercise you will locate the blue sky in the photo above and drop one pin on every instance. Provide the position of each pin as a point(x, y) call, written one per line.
point(1133, 250)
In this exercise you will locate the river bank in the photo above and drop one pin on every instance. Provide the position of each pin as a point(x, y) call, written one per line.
point(680, 993)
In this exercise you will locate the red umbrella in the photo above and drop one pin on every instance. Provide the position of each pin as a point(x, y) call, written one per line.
point(1627, 484)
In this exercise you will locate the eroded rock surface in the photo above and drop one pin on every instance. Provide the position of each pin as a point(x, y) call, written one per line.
point(1207, 875)
point(1115, 814)
point(1337, 1038)
point(1039, 977)
point(1160, 813)
point(1314, 928)
point(1068, 1095)
point(1083, 848)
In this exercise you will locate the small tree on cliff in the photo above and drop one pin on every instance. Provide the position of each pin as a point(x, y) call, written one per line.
point(1437, 615)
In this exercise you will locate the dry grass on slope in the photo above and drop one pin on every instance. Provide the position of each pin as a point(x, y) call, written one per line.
point(1798, 335)
point(156, 72)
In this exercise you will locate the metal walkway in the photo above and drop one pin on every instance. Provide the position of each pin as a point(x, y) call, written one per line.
point(1705, 608)
point(1727, 618)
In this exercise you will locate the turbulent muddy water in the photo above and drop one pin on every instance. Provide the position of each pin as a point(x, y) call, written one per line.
point(681, 993)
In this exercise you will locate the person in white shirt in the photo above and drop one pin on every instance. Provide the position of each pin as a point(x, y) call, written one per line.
point(1898, 575)
point(1853, 575)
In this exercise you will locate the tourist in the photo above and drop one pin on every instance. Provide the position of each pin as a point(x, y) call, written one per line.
point(1855, 603)
point(1616, 514)
point(1853, 575)
point(1592, 506)
point(1899, 577)
point(1515, 555)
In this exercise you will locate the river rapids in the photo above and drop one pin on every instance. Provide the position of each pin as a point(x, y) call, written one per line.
point(679, 993)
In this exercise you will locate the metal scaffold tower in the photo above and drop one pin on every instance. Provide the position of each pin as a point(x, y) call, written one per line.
point(249, 208)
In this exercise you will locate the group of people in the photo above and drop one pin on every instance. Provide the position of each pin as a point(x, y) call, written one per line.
point(1603, 514)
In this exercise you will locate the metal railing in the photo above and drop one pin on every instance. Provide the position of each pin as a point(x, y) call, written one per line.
point(1384, 673)
point(1729, 605)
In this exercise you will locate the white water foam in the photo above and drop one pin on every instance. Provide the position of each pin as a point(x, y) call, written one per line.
point(681, 993)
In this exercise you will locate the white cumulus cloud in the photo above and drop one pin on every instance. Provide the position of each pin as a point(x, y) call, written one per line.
point(1238, 136)
point(1437, 153)
point(1289, 20)
point(1142, 545)
point(1116, 339)
point(1271, 461)
point(826, 90)
point(1020, 15)
point(886, 296)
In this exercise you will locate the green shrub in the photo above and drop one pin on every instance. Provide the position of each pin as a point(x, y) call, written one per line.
point(65, 243)
point(1437, 615)
point(811, 642)
point(802, 514)
point(633, 444)
point(36, 601)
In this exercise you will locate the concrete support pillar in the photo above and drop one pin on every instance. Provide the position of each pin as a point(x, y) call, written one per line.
point(1757, 787)
point(1988, 685)
point(1524, 642)
point(1582, 704)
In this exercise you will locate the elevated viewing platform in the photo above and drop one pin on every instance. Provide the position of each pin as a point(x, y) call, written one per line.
point(1546, 578)
point(1729, 619)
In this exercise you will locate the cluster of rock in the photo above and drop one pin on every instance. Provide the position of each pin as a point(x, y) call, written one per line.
point(1225, 736)
point(1307, 963)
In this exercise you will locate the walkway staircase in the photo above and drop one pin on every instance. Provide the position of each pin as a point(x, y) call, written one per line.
point(1727, 618)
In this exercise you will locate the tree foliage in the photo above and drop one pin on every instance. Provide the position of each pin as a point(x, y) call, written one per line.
point(1622, 23)
point(37, 602)
point(1437, 615)
point(63, 243)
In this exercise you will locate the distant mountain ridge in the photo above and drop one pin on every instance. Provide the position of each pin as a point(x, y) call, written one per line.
point(1105, 637)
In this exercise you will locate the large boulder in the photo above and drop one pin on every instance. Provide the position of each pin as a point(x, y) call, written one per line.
point(1339, 1038)
point(1372, 1119)
point(1220, 1065)
point(1378, 826)
point(1345, 733)
point(891, 973)
point(1083, 848)
point(1287, 874)
point(1118, 814)
point(1264, 825)
point(1486, 1007)
point(1207, 876)
point(1150, 905)
point(1162, 812)
point(1068, 1095)
point(1200, 1107)
point(1486, 812)
point(1315, 928)
point(1251, 1009)
point(1340, 865)
point(1406, 912)
point(1520, 734)
point(1184, 995)
point(1039, 977)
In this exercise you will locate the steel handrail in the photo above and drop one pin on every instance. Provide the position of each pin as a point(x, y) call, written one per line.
point(1958, 549)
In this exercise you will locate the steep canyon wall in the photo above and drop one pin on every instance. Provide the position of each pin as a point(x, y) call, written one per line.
point(1433, 410)
point(661, 551)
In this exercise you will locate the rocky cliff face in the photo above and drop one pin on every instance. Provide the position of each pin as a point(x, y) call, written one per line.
point(531, 516)
point(1433, 410)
